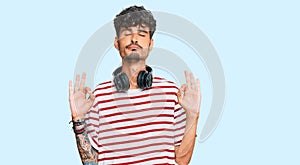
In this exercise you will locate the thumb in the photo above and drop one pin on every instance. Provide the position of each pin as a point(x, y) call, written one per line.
point(91, 95)
point(181, 93)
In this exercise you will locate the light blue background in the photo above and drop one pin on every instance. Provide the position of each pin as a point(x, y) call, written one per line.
point(257, 42)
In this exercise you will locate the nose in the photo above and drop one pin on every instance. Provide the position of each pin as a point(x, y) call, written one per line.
point(134, 38)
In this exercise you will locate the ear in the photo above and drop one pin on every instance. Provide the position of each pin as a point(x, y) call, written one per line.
point(116, 43)
point(151, 44)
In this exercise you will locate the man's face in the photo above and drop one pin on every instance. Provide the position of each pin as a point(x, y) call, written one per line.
point(134, 42)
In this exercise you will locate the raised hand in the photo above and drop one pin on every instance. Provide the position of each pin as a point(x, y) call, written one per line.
point(189, 95)
point(79, 105)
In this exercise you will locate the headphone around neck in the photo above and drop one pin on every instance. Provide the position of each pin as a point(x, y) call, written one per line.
point(121, 81)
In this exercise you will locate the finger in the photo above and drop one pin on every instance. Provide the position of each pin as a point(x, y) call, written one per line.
point(70, 89)
point(71, 95)
point(86, 90)
point(77, 82)
point(82, 82)
point(198, 87)
point(180, 92)
point(199, 92)
point(72, 106)
point(91, 95)
point(179, 96)
point(183, 88)
point(192, 80)
point(187, 78)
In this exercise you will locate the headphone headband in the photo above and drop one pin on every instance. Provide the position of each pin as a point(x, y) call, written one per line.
point(119, 70)
point(122, 84)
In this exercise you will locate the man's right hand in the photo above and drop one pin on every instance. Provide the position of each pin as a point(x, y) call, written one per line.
point(79, 105)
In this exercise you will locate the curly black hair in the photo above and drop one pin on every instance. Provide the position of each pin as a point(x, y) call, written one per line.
point(134, 16)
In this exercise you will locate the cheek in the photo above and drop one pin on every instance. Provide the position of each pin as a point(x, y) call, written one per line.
point(144, 43)
point(123, 43)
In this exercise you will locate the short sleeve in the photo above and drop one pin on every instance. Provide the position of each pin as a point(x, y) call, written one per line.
point(179, 123)
point(92, 123)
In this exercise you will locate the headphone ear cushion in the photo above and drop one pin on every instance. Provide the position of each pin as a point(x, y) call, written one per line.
point(141, 79)
point(148, 80)
point(121, 82)
point(144, 80)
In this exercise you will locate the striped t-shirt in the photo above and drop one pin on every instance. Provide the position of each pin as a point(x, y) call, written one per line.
point(137, 126)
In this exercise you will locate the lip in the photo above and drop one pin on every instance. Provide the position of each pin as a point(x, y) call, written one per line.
point(133, 47)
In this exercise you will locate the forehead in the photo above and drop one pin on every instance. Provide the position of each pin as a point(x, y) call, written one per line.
point(137, 27)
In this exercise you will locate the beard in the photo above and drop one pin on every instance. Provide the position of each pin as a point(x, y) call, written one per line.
point(133, 57)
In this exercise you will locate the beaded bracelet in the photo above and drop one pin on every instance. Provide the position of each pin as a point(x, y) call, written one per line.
point(78, 122)
point(78, 131)
point(78, 126)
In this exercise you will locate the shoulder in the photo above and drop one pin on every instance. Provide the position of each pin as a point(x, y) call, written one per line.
point(105, 86)
point(163, 81)
point(159, 82)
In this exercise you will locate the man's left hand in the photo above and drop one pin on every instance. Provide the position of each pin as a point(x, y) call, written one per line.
point(189, 96)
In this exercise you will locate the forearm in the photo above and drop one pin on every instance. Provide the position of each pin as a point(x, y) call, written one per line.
point(183, 153)
point(88, 155)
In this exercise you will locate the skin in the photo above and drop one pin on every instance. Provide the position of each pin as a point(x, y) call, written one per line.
point(134, 45)
point(79, 107)
point(134, 57)
point(88, 155)
point(189, 97)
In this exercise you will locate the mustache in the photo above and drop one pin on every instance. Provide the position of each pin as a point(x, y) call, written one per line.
point(135, 45)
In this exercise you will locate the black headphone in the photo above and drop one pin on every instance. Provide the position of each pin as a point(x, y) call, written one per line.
point(121, 81)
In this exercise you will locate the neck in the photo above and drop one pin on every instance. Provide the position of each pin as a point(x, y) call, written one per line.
point(132, 70)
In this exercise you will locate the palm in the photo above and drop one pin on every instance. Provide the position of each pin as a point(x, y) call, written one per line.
point(79, 105)
point(189, 95)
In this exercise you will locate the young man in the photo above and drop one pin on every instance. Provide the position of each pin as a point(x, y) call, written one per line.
point(135, 118)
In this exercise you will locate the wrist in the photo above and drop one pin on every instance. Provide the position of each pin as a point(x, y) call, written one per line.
point(78, 126)
point(76, 118)
point(192, 119)
point(192, 115)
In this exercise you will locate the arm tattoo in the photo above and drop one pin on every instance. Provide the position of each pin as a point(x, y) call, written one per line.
point(88, 154)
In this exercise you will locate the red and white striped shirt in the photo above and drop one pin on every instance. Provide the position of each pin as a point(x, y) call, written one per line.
point(137, 126)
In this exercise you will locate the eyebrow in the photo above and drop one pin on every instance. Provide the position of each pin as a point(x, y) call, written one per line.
point(130, 29)
point(125, 28)
point(142, 30)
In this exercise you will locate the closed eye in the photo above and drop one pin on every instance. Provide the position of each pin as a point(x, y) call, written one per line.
point(127, 33)
point(143, 33)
